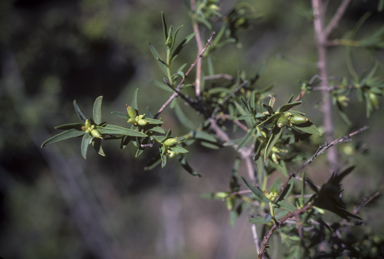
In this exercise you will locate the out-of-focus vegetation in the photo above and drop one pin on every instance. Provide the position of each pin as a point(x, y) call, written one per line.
point(53, 52)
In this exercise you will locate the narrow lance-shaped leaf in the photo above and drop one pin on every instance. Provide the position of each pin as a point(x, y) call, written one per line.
point(165, 28)
point(85, 144)
point(157, 57)
point(260, 220)
point(134, 100)
point(183, 118)
point(181, 46)
point(78, 112)
point(259, 195)
point(76, 126)
point(289, 106)
point(187, 167)
point(276, 134)
point(117, 130)
point(72, 133)
point(97, 110)
point(121, 115)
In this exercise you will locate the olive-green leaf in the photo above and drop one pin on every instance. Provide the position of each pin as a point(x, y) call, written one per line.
point(275, 186)
point(157, 57)
point(183, 118)
point(187, 167)
point(286, 205)
point(121, 115)
point(260, 220)
point(153, 121)
point(259, 195)
point(117, 130)
point(68, 126)
point(72, 133)
point(307, 127)
point(178, 149)
point(153, 163)
point(286, 191)
point(165, 28)
point(85, 144)
point(96, 143)
point(134, 100)
point(198, 134)
point(97, 110)
point(78, 112)
point(276, 134)
point(247, 138)
point(288, 106)
point(181, 45)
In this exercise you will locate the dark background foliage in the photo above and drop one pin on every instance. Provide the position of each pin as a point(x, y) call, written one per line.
point(52, 52)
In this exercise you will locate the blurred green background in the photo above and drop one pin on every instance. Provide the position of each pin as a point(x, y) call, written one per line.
point(54, 204)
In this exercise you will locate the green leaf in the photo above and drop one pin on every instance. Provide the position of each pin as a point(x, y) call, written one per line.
point(125, 141)
point(157, 129)
point(97, 110)
point(281, 214)
point(181, 46)
point(72, 133)
point(117, 130)
point(256, 75)
point(85, 144)
point(157, 57)
point(187, 167)
point(134, 100)
point(183, 118)
point(260, 220)
point(307, 127)
point(276, 134)
point(276, 186)
point(247, 138)
point(76, 126)
point(178, 149)
point(96, 143)
point(153, 163)
point(210, 145)
point(288, 106)
point(153, 121)
point(175, 36)
point(121, 115)
point(259, 195)
point(165, 28)
point(287, 190)
point(286, 205)
point(380, 6)
point(198, 134)
point(162, 86)
point(78, 112)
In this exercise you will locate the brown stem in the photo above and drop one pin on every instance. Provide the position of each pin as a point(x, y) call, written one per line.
point(322, 149)
point(279, 222)
point(321, 39)
point(199, 49)
point(336, 17)
point(178, 88)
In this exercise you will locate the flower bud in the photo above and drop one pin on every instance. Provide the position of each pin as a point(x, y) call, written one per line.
point(96, 133)
point(298, 119)
point(170, 142)
point(373, 99)
point(87, 124)
point(132, 120)
point(282, 121)
point(132, 113)
point(142, 122)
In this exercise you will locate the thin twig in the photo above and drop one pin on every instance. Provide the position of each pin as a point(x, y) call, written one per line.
point(238, 123)
point(199, 50)
point(336, 17)
point(321, 38)
point(322, 149)
point(226, 98)
point(366, 201)
point(178, 88)
point(295, 213)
